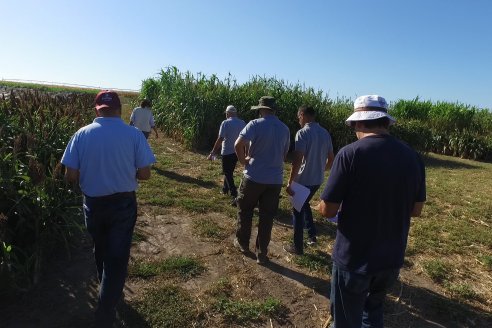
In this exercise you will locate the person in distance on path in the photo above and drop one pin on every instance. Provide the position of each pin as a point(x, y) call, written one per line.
point(143, 119)
point(228, 133)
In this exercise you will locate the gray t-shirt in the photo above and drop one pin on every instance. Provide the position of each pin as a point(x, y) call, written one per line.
point(229, 131)
point(314, 142)
point(269, 143)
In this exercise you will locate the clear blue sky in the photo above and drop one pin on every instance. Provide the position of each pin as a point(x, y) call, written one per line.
point(400, 49)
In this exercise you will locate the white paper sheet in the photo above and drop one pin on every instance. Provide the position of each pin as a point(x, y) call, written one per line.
point(301, 193)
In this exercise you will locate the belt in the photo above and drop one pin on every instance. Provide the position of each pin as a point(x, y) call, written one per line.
point(114, 196)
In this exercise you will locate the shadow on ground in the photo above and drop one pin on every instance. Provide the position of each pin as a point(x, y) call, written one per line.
point(184, 178)
point(422, 308)
point(451, 164)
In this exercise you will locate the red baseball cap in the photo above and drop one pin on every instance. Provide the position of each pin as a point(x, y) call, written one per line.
point(107, 99)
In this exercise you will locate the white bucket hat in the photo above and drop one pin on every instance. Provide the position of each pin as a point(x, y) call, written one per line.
point(370, 107)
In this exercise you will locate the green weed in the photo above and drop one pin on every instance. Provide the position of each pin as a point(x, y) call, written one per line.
point(242, 311)
point(437, 270)
point(317, 261)
point(461, 291)
point(175, 266)
point(208, 229)
point(168, 306)
point(486, 260)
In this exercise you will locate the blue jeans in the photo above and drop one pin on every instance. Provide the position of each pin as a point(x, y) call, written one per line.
point(110, 221)
point(304, 218)
point(357, 299)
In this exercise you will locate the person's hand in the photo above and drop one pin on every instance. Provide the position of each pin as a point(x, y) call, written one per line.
point(289, 190)
point(209, 157)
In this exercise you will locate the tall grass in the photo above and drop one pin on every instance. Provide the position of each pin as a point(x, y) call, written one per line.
point(447, 128)
point(190, 108)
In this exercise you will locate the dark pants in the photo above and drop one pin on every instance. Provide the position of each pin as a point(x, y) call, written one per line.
point(302, 219)
point(110, 221)
point(267, 198)
point(357, 299)
point(228, 165)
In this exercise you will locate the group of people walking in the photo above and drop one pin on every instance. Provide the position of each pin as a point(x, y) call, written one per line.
point(375, 186)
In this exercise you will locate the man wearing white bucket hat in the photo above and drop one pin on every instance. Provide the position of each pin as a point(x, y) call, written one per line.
point(380, 182)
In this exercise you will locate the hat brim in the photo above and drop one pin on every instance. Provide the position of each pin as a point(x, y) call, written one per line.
point(367, 116)
point(98, 107)
point(261, 107)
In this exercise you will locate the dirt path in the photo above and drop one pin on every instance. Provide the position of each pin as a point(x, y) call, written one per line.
point(66, 297)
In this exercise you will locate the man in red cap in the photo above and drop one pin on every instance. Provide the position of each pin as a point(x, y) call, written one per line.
point(106, 158)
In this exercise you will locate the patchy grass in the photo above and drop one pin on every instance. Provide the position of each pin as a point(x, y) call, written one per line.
point(317, 261)
point(461, 291)
point(206, 228)
point(221, 289)
point(437, 270)
point(175, 266)
point(138, 236)
point(486, 261)
point(455, 223)
point(241, 311)
point(168, 306)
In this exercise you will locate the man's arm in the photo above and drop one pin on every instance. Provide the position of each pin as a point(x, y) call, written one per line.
point(71, 175)
point(240, 147)
point(328, 209)
point(216, 147)
point(329, 160)
point(143, 173)
point(417, 209)
point(155, 130)
point(296, 165)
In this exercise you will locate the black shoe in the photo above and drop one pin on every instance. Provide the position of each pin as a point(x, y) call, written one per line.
point(262, 259)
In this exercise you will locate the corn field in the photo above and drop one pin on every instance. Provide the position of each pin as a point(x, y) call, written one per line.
point(38, 211)
point(190, 108)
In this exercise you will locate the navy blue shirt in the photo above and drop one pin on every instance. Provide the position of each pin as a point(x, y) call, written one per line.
point(377, 180)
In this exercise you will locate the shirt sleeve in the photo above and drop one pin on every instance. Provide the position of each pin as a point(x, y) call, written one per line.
point(222, 130)
point(70, 157)
point(151, 121)
point(421, 191)
point(338, 181)
point(300, 143)
point(330, 144)
point(248, 132)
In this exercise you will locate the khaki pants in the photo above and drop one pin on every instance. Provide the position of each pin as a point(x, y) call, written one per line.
point(267, 197)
